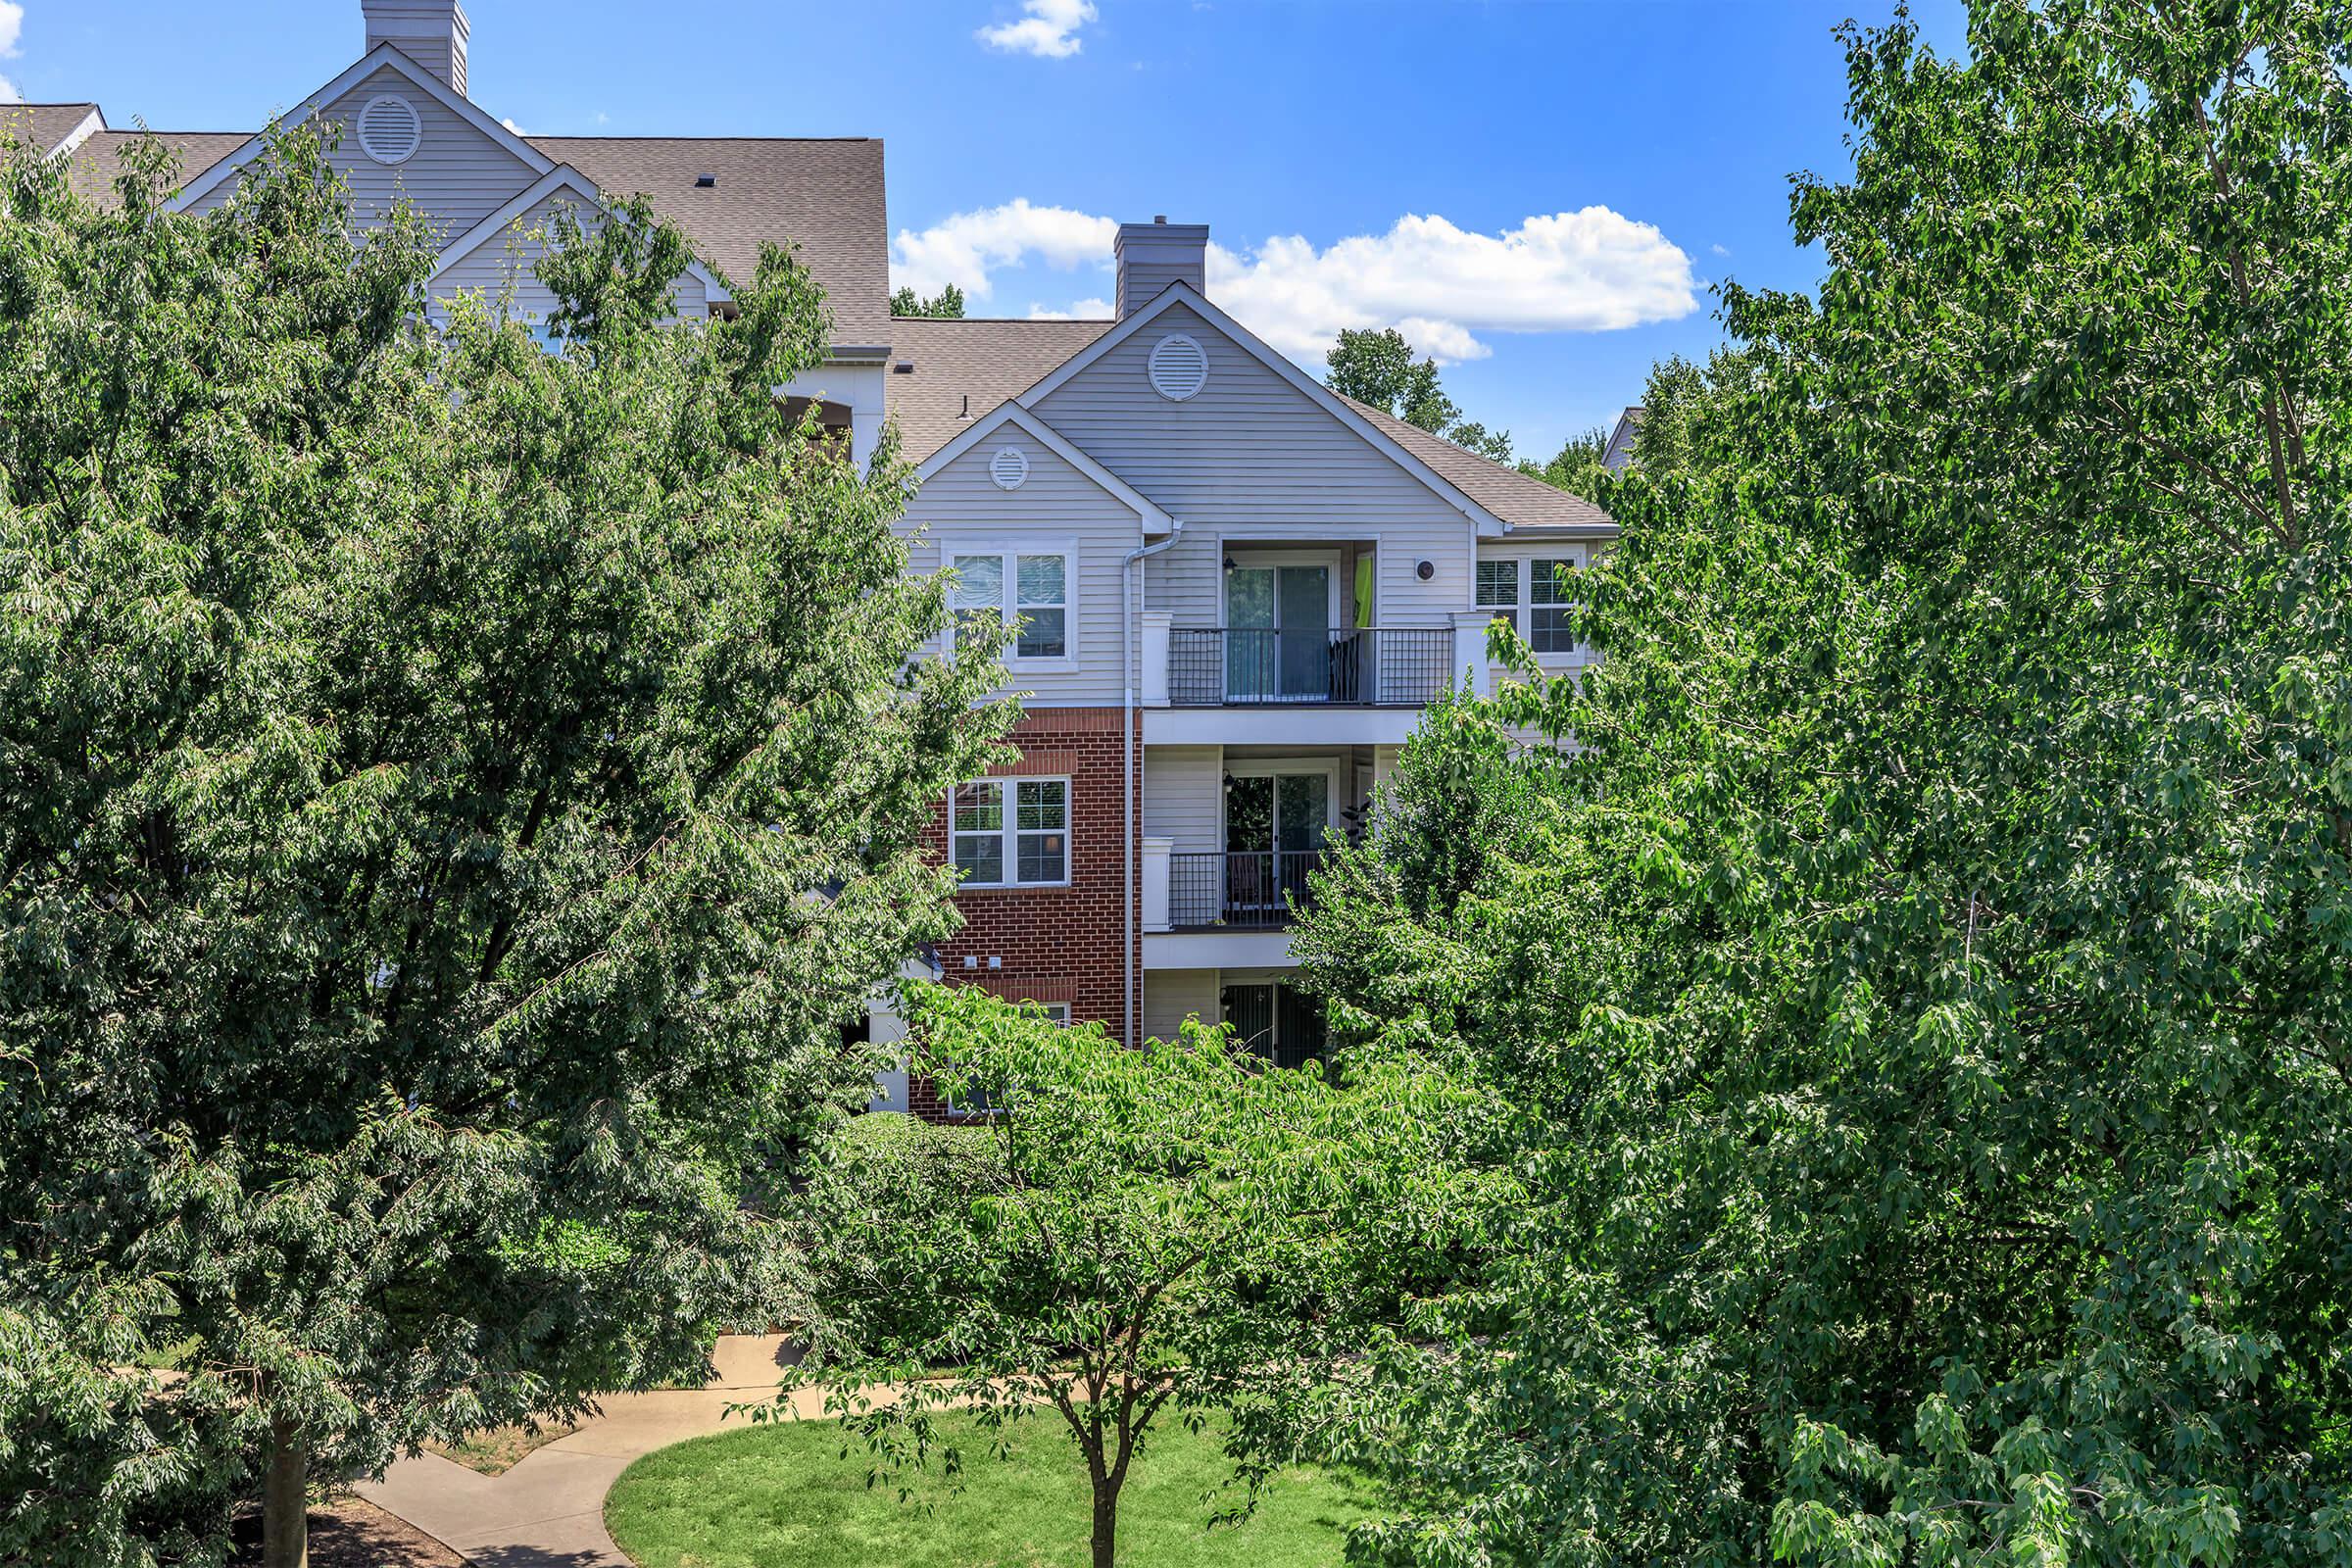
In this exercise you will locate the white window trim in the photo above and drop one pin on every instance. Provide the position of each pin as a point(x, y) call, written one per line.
point(1522, 613)
point(1008, 551)
point(1009, 834)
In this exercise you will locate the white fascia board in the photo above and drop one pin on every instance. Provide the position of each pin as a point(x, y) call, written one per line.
point(374, 60)
point(1182, 293)
point(1154, 519)
point(91, 124)
point(560, 177)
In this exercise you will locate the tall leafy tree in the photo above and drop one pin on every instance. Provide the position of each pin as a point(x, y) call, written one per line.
point(452, 795)
point(1168, 1234)
point(1577, 467)
point(1926, 984)
point(1377, 368)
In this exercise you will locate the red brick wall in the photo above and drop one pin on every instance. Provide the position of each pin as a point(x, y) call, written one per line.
point(1056, 944)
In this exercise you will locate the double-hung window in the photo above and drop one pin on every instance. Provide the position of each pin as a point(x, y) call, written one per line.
point(1011, 832)
point(1547, 606)
point(1533, 596)
point(1029, 588)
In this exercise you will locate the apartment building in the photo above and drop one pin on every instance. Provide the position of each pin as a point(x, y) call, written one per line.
point(1232, 590)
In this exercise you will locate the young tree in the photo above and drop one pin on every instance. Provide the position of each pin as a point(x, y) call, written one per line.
point(1175, 1231)
point(1927, 987)
point(454, 796)
point(946, 305)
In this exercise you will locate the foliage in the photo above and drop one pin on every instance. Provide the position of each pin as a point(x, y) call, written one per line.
point(1577, 467)
point(1379, 369)
point(946, 305)
point(797, 1493)
point(1928, 989)
point(454, 795)
point(1177, 1228)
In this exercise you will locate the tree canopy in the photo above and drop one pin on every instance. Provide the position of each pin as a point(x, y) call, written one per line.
point(1377, 368)
point(946, 305)
point(452, 797)
point(1171, 1231)
point(1924, 987)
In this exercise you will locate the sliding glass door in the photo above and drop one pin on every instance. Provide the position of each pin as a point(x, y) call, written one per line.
point(1278, 632)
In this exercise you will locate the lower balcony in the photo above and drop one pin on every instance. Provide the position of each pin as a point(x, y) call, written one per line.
point(1254, 890)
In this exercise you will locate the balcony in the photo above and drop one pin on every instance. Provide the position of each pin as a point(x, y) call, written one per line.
point(1357, 667)
point(1241, 891)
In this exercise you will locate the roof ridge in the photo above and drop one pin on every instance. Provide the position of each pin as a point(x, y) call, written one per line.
point(549, 136)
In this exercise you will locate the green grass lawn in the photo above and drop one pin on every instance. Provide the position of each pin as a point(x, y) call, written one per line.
point(785, 1497)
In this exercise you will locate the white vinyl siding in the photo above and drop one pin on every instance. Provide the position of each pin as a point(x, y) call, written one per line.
point(1057, 511)
point(1171, 995)
point(458, 177)
point(510, 259)
point(1253, 458)
point(1184, 797)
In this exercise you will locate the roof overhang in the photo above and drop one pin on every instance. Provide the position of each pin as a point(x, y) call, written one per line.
point(382, 55)
point(1155, 518)
point(1183, 294)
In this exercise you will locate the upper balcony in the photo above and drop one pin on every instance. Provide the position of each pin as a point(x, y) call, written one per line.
point(1312, 685)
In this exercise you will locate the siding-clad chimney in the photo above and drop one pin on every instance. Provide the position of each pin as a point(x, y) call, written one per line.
point(1154, 255)
point(431, 32)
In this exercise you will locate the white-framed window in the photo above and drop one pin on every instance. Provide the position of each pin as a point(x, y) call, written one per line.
point(1548, 604)
point(1030, 587)
point(1010, 832)
point(1534, 593)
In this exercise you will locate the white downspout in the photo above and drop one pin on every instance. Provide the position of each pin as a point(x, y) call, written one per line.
point(1129, 746)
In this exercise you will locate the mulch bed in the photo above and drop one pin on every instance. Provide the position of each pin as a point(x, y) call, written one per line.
point(355, 1533)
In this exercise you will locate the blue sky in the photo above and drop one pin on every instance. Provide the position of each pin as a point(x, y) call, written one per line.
point(1540, 189)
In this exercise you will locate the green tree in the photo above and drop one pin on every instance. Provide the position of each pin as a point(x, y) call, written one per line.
point(454, 796)
point(1925, 988)
point(946, 305)
point(1577, 467)
point(1377, 368)
point(1158, 1232)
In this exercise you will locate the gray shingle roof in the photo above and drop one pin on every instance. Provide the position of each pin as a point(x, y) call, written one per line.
point(98, 162)
point(963, 368)
point(45, 125)
point(1514, 497)
point(824, 196)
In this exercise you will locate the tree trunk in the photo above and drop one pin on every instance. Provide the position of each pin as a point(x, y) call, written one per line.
point(286, 1501)
point(1106, 1523)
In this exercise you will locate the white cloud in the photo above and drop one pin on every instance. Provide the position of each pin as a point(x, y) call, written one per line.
point(1048, 31)
point(1590, 271)
point(603, 118)
point(1442, 286)
point(964, 248)
point(1719, 250)
point(9, 93)
point(12, 27)
point(517, 129)
point(1087, 310)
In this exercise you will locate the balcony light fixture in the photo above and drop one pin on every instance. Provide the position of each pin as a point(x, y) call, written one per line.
point(1229, 567)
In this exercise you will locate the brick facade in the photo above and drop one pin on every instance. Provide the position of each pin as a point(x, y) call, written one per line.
point(1056, 944)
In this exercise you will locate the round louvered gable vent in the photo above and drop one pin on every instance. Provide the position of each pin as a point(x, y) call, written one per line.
point(390, 129)
point(1008, 468)
point(1179, 367)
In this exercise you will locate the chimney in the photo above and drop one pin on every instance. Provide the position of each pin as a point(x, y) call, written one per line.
point(431, 32)
point(1152, 256)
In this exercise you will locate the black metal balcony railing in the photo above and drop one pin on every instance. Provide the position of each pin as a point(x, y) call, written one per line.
point(1245, 889)
point(1372, 666)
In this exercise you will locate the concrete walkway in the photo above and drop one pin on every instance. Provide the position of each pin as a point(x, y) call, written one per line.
point(548, 1511)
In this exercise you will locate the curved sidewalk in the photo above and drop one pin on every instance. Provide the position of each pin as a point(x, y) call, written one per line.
point(548, 1511)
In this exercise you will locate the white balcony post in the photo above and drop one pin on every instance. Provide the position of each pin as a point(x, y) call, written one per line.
point(1156, 883)
point(1158, 629)
point(1470, 650)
